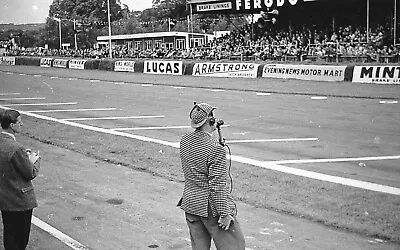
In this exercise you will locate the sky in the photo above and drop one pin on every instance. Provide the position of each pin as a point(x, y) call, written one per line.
point(36, 11)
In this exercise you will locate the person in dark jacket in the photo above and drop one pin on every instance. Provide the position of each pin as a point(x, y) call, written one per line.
point(18, 166)
point(207, 201)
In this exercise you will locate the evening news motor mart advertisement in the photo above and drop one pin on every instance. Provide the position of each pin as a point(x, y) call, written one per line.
point(305, 72)
point(247, 70)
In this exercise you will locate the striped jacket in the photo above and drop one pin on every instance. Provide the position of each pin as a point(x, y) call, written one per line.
point(16, 173)
point(206, 176)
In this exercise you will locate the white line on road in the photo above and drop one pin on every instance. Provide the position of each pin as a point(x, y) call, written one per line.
point(94, 80)
point(70, 110)
point(22, 98)
point(273, 140)
point(41, 104)
point(113, 118)
point(21, 74)
point(267, 165)
point(150, 128)
point(72, 79)
point(58, 234)
point(375, 158)
point(388, 102)
point(319, 98)
point(10, 93)
point(261, 94)
point(37, 75)
point(147, 85)
point(217, 90)
point(179, 87)
point(54, 77)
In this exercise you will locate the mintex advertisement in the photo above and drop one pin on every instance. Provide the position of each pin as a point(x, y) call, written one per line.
point(377, 74)
point(247, 70)
point(305, 72)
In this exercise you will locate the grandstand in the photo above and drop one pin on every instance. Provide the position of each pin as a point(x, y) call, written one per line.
point(362, 31)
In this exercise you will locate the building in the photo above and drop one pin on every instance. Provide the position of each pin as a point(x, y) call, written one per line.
point(169, 40)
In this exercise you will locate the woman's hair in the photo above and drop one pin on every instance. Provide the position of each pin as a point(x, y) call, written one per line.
point(7, 117)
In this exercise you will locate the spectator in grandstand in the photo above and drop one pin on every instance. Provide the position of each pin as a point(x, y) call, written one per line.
point(18, 166)
point(207, 201)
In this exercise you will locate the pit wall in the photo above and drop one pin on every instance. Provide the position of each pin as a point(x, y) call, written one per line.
point(378, 74)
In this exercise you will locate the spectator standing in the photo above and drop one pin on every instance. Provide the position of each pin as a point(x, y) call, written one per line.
point(207, 201)
point(18, 166)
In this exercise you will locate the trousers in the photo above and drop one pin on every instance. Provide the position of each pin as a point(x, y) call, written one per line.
point(203, 229)
point(16, 229)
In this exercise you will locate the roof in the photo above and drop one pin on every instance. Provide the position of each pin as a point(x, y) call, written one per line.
point(150, 35)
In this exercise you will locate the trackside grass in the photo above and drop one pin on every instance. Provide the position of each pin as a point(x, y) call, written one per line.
point(337, 206)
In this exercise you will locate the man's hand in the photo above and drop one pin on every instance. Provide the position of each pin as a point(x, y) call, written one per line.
point(225, 222)
point(33, 156)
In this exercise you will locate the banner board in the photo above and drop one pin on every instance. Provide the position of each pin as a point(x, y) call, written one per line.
point(127, 66)
point(163, 67)
point(305, 72)
point(46, 62)
point(239, 6)
point(60, 63)
point(7, 60)
point(377, 74)
point(246, 70)
point(77, 64)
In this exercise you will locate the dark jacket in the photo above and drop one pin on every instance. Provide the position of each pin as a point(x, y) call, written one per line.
point(16, 173)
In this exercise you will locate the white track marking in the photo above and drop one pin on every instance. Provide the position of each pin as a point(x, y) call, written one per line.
point(94, 80)
point(37, 75)
point(1, 94)
point(273, 140)
point(54, 77)
point(179, 87)
point(266, 165)
point(22, 98)
point(388, 102)
point(41, 104)
point(21, 74)
point(119, 83)
point(150, 128)
point(318, 176)
point(72, 79)
point(58, 234)
point(147, 85)
point(217, 90)
point(376, 158)
point(113, 118)
point(262, 94)
point(10, 73)
point(70, 110)
point(319, 98)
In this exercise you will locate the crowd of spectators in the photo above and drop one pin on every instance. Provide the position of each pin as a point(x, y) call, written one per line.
point(301, 44)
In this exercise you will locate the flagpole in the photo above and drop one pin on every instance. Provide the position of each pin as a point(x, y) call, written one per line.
point(395, 23)
point(109, 28)
point(59, 28)
point(75, 40)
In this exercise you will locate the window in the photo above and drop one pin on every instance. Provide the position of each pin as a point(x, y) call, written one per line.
point(157, 43)
point(180, 43)
point(147, 44)
point(195, 42)
point(138, 45)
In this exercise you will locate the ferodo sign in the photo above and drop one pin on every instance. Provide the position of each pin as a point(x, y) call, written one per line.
point(77, 64)
point(60, 63)
point(46, 62)
point(8, 60)
point(305, 72)
point(247, 70)
point(377, 74)
point(163, 67)
point(128, 66)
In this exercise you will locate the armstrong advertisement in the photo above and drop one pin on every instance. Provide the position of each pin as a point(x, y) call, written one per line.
point(60, 63)
point(163, 67)
point(305, 72)
point(246, 70)
point(239, 6)
point(377, 74)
